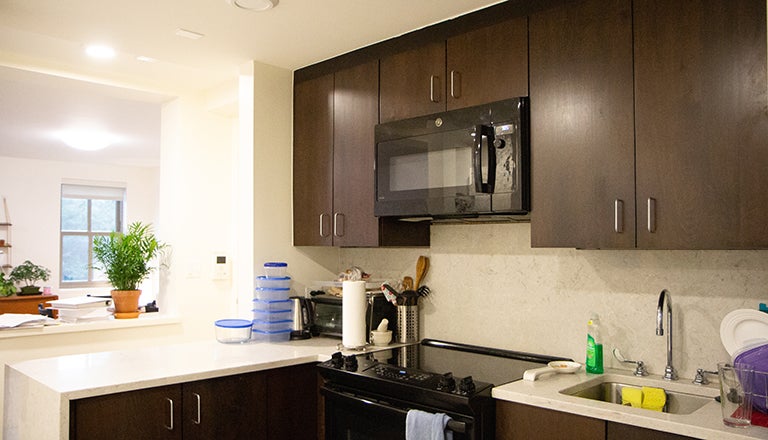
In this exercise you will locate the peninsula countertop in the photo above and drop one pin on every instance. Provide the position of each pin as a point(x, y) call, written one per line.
point(41, 389)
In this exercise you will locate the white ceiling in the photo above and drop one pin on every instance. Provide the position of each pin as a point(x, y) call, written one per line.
point(49, 36)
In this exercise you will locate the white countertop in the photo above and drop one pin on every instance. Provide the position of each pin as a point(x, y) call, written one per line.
point(706, 422)
point(41, 389)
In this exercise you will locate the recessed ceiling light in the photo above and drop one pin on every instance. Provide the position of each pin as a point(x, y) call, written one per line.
point(145, 59)
point(189, 34)
point(253, 5)
point(100, 51)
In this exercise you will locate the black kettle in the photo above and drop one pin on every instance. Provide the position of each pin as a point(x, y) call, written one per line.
point(302, 318)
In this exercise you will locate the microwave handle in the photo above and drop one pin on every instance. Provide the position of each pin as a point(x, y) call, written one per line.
point(477, 159)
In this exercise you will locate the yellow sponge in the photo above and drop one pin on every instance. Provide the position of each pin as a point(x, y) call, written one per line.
point(654, 398)
point(632, 396)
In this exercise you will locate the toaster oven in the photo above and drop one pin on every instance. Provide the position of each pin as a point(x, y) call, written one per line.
point(327, 313)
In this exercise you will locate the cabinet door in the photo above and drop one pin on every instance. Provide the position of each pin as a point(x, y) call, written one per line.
point(582, 143)
point(231, 407)
point(413, 83)
point(293, 403)
point(488, 64)
point(153, 413)
point(356, 100)
point(702, 126)
point(516, 421)
point(618, 431)
point(313, 162)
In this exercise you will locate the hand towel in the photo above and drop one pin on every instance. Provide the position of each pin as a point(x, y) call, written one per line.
point(654, 398)
point(420, 425)
point(632, 396)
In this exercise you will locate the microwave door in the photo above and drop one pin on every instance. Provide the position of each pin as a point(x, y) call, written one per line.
point(429, 174)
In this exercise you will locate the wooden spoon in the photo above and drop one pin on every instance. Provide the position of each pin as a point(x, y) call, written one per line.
point(422, 266)
point(407, 283)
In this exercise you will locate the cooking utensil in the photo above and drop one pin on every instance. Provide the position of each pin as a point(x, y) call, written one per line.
point(389, 293)
point(407, 283)
point(423, 291)
point(422, 266)
point(551, 368)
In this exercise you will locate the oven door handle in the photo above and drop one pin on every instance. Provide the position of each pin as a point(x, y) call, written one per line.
point(453, 425)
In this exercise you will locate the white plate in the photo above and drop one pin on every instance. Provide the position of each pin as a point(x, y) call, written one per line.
point(743, 327)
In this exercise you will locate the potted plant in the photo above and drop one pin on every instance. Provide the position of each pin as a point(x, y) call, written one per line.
point(126, 259)
point(7, 288)
point(29, 272)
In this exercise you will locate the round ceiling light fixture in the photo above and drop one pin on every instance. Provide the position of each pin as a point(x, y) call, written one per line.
point(254, 5)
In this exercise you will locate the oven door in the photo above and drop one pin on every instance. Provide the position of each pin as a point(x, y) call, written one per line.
point(352, 416)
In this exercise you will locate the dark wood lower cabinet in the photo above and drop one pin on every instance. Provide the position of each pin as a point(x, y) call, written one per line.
point(525, 422)
point(515, 421)
point(272, 404)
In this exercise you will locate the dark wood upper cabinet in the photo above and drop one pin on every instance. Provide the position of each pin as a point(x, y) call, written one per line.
point(488, 64)
point(701, 123)
point(333, 164)
point(413, 83)
point(356, 100)
point(313, 162)
point(582, 126)
point(480, 66)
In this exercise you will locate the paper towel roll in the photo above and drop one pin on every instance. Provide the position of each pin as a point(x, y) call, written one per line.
point(353, 306)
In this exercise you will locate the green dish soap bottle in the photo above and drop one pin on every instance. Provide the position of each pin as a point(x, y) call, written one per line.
point(594, 346)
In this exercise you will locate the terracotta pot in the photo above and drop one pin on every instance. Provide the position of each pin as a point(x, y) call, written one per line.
point(126, 303)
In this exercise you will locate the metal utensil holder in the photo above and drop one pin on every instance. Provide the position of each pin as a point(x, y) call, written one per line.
point(408, 323)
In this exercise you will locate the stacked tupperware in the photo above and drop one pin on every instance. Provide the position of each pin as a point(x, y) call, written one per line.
point(272, 321)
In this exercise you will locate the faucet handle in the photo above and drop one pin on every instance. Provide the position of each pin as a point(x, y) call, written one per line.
point(639, 370)
point(701, 376)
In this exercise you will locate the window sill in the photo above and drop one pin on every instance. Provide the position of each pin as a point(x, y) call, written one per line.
point(146, 320)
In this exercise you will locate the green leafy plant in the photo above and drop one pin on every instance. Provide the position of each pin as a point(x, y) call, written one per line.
point(7, 288)
point(125, 258)
point(28, 272)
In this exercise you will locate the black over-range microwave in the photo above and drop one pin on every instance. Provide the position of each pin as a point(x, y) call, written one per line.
point(461, 163)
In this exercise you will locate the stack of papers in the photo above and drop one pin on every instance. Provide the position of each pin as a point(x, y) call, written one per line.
point(22, 320)
point(82, 308)
point(80, 302)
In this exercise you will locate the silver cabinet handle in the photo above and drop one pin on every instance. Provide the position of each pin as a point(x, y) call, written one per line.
point(618, 216)
point(323, 233)
point(455, 84)
point(197, 398)
point(434, 91)
point(338, 218)
point(169, 426)
point(651, 215)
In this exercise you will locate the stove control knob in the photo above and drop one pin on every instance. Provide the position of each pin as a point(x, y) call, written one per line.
point(446, 383)
point(466, 385)
point(336, 360)
point(499, 143)
point(350, 362)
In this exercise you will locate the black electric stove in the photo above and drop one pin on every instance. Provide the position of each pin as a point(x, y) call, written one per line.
point(368, 395)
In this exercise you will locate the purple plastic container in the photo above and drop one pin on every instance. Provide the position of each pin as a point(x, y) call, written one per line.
point(757, 357)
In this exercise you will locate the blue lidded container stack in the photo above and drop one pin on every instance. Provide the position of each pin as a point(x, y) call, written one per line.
point(272, 315)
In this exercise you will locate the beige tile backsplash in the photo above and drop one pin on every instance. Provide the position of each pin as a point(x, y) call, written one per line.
point(490, 288)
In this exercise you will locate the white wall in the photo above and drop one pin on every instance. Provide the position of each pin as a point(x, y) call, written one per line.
point(33, 191)
point(490, 288)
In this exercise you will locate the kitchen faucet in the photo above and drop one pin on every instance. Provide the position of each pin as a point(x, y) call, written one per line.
point(669, 370)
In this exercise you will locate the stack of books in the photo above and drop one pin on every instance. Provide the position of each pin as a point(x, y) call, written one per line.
point(82, 308)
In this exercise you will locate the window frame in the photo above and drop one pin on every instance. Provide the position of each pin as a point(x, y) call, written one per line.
point(89, 194)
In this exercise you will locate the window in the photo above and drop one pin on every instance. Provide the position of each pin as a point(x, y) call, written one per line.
point(86, 212)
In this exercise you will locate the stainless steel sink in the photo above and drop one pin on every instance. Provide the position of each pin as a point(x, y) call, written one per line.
point(609, 390)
